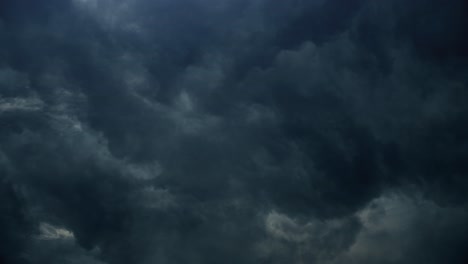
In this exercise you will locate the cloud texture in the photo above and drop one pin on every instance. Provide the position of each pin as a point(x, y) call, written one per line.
point(233, 131)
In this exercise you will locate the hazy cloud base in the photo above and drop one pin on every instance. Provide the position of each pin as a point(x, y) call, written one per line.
point(233, 131)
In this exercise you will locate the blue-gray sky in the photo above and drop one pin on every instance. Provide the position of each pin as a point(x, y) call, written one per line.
point(233, 131)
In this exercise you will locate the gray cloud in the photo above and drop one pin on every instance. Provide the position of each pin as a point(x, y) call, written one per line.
point(233, 131)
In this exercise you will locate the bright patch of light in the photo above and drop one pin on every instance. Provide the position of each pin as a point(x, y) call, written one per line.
point(50, 232)
point(20, 104)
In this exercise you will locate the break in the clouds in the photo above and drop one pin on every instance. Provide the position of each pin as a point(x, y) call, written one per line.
point(233, 131)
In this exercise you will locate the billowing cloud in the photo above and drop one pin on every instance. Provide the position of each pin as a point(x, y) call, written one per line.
point(234, 131)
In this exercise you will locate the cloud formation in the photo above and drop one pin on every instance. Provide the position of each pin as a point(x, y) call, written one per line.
point(233, 131)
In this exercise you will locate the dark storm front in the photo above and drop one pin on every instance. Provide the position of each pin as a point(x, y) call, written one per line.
point(233, 131)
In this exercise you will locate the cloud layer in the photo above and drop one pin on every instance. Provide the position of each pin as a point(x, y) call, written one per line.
point(233, 131)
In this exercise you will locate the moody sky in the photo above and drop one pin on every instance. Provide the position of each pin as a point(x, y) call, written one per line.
point(233, 131)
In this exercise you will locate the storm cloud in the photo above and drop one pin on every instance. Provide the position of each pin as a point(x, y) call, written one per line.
point(233, 131)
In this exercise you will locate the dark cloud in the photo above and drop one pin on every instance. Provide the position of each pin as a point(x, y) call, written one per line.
point(233, 131)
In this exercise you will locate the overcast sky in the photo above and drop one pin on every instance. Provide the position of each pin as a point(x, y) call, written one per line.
point(233, 131)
